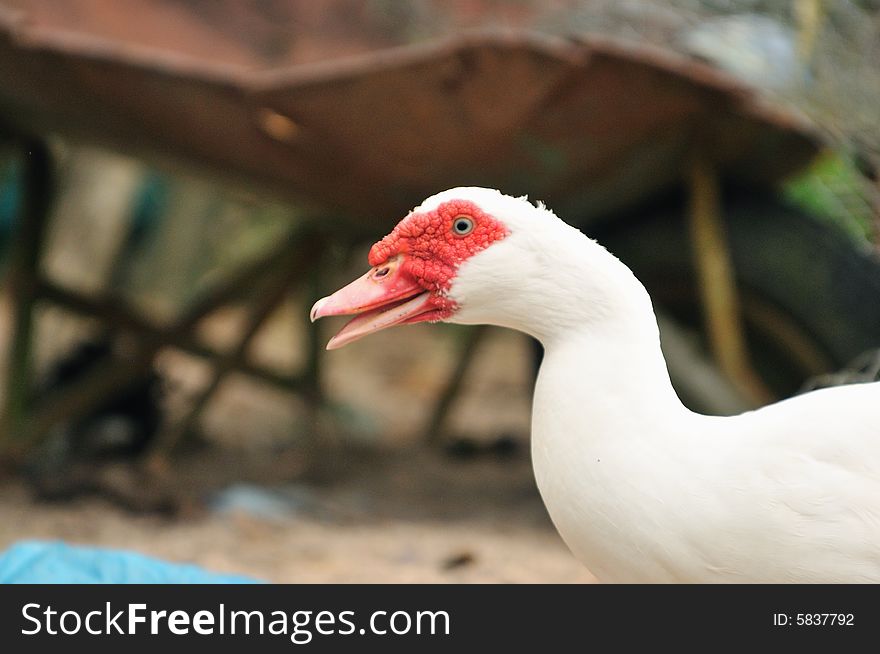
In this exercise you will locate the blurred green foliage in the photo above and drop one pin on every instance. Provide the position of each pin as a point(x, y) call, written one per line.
point(834, 189)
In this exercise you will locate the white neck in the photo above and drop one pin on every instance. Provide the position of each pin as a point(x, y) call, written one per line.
point(605, 415)
point(594, 318)
point(604, 410)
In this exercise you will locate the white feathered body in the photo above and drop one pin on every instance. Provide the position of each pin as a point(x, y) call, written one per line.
point(640, 488)
point(787, 493)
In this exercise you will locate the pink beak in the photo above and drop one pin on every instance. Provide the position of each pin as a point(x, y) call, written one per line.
point(383, 297)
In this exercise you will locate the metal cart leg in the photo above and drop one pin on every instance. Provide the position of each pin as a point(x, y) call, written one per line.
point(451, 390)
point(717, 284)
point(290, 269)
point(313, 392)
point(23, 284)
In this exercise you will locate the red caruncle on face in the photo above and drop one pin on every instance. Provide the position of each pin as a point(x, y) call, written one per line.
point(433, 249)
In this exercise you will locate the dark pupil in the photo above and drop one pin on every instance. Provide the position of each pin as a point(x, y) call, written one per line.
point(461, 226)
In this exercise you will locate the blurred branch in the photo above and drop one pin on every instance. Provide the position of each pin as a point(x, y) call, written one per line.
point(809, 15)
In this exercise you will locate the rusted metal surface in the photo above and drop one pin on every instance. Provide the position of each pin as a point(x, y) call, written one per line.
point(589, 126)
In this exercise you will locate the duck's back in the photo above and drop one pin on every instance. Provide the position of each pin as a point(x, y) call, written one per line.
point(808, 473)
point(787, 493)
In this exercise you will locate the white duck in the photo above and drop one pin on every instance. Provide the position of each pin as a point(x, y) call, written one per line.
point(640, 488)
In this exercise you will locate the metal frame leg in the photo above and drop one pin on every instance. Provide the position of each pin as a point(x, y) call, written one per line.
point(717, 283)
point(436, 424)
point(23, 284)
point(292, 267)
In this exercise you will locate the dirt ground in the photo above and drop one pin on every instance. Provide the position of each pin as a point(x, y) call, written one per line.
point(399, 516)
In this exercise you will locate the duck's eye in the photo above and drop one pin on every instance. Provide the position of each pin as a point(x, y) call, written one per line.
point(462, 225)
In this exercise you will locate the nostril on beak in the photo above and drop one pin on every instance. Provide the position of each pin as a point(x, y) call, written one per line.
point(382, 272)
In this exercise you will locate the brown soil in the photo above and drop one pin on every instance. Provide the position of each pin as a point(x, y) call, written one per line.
point(407, 515)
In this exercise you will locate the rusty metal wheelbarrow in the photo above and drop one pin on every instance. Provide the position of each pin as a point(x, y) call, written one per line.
point(593, 127)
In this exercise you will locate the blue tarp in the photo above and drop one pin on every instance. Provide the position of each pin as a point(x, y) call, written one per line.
point(38, 562)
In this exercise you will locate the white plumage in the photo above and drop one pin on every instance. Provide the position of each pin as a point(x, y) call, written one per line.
point(641, 488)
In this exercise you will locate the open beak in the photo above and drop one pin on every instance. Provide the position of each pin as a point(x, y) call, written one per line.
point(383, 297)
